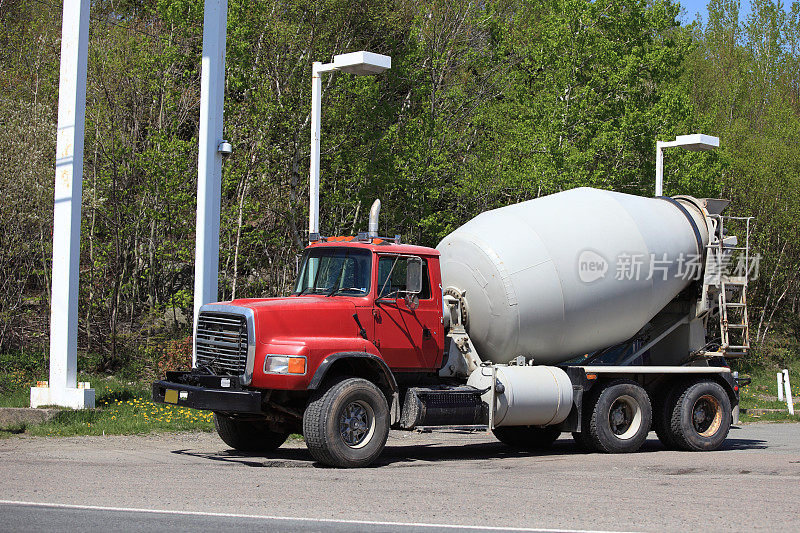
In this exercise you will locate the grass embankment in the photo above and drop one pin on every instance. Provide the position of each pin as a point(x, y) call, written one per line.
point(762, 393)
point(122, 408)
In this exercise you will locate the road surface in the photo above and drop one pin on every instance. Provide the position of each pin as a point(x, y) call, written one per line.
point(192, 481)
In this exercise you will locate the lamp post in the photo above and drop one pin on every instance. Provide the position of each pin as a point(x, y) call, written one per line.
point(212, 147)
point(697, 142)
point(358, 63)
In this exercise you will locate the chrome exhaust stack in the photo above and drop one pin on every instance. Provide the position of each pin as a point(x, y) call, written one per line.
point(374, 213)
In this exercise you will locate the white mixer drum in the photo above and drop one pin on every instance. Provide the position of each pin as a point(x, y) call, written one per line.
point(580, 270)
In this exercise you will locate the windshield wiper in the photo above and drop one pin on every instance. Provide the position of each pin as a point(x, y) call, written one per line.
point(337, 291)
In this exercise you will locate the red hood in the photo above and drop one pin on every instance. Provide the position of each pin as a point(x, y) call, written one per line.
point(301, 317)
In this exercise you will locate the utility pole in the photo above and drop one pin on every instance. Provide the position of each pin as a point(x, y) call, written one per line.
point(209, 162)
point(62, 388)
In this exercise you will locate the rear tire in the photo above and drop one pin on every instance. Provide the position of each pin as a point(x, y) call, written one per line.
point(247, 435)
point(621, 418)
point(346, 425)
point(663, 404)
point(527, 437)
point(701, 417)
point(582, 437)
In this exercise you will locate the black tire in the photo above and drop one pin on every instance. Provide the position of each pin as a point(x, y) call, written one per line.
point(663, 404)
point(346, 425)
point(247, 435)
point(583, 441)
point(621, 418)
point(527, 437)
point(701, 417)
point(582, 438)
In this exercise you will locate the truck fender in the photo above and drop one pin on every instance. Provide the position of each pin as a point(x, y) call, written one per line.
point(728, 383)
point(376, 362)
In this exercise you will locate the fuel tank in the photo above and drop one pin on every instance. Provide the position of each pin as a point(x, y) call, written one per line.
point(566, 274)
point(527, 395)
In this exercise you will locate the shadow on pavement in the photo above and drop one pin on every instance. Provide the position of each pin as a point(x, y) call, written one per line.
point(286, 457)
point(433, 453)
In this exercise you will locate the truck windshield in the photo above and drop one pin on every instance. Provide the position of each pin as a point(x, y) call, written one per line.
point(334, 271)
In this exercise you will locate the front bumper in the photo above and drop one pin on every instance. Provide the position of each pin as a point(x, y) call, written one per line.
point(206, 392)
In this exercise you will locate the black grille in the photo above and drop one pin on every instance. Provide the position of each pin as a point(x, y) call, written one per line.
point(222, 343)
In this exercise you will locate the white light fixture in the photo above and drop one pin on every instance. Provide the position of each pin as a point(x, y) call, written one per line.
point(359, 63)
point(697, 142)
point(362, 63)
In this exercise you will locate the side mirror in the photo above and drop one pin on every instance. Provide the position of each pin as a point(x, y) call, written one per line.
point(414, 276)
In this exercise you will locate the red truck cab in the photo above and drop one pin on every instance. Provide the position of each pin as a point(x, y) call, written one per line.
point(346, 302)
point(259, 363)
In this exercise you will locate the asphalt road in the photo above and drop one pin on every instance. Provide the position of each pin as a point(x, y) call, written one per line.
point(184, 482)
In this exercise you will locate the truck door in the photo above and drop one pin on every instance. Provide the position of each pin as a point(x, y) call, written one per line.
point(409, 338)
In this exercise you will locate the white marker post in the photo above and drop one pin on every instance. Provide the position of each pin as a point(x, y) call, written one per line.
point(788, 391)
point(209, 162)
point(63, 389)
point(780, 386)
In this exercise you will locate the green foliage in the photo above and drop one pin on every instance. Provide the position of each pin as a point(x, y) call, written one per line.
point(743, 78)
point(486, 104)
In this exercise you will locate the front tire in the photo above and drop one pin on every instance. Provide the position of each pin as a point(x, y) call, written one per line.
point(347, 424)
point(247, 435)
point(621, 418)
point(701, 417)
point(527, 437)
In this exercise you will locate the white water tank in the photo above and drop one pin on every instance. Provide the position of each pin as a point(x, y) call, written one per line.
point(530, 396)
point(566, 274)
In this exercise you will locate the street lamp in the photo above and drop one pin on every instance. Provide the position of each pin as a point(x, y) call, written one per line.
point(358, 63)
point(696, 142)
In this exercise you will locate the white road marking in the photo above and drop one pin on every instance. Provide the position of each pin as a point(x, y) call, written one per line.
point(299, 519)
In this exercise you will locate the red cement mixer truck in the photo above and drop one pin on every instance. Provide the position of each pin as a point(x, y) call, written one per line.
point(593, 312)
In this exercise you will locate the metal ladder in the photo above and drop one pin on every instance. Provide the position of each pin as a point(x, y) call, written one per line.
point(733, 317)
point(733, 320)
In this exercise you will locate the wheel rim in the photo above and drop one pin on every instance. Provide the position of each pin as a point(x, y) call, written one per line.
point(706, 415)
point(357, 424)
point(625, 417)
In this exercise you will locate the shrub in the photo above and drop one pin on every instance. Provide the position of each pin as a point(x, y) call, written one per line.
point(175, 355)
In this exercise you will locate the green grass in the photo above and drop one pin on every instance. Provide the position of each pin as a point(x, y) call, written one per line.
point(769, 417)
point(122, 408)
point(762, 393)
point(15, 389)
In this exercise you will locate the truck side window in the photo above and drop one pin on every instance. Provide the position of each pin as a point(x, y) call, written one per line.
point(398, 281)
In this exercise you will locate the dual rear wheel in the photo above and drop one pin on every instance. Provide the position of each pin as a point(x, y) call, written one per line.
point(688, 415)
point(616, 418)
point(693, 416)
